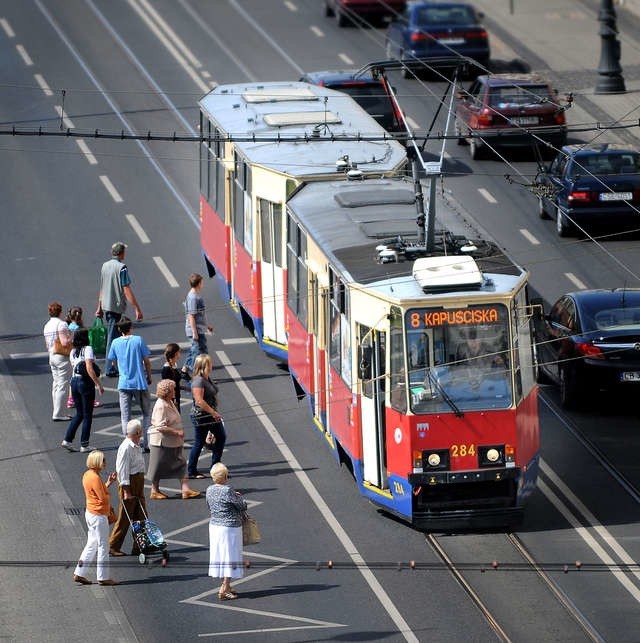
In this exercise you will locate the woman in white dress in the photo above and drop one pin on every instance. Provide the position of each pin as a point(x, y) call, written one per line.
point(225, 531)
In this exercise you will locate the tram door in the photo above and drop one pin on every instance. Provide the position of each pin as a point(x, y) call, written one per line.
point(271, 271)
point(371, 375)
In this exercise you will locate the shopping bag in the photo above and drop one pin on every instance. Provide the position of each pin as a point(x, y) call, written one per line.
point(250, 531)
point(98, 336)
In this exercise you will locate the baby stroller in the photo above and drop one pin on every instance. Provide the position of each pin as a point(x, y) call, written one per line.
point(148, 537)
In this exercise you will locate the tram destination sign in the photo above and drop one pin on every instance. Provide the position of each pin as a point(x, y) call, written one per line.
point(430, 318)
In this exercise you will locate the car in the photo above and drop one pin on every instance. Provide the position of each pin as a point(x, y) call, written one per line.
point(503, 110)
point(589, 340)
point(428, 32)
point(591, 185)
point(369, 92)
point(348, 11)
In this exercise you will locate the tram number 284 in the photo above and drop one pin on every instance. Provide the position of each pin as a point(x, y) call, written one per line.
point(462, 450)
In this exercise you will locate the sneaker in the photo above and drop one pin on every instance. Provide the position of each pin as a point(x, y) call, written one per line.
point(62, 418)
point(86, 449)
point(70, 403)
point(68, 446)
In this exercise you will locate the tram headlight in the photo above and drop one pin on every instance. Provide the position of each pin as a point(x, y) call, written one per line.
point(434, 460)
point(491, 455)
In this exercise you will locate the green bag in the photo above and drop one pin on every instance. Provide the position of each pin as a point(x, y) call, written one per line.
point(98, 336)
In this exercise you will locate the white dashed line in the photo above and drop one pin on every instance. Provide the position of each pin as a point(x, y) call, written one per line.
point(24, 55)
point(111, 189)
point(317, 31)
point(205, 74)
point(68, 123)
point(162, 266)
point(238, 340)
point(43, 84)
point(345, 59)
point(84, 148)
point(289, 5)
point(575, 281)
point(7, 28)
point(412, 123)
point(137, 228)
point(487, 195)
point(529, 237)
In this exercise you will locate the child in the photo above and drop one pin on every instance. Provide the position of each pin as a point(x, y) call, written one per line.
point(74, 321)
point(170, 370)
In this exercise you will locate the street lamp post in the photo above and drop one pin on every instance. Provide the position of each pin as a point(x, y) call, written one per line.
point(610, 80)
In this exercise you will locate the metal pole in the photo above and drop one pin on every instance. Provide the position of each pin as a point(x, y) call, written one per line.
point(610, 80)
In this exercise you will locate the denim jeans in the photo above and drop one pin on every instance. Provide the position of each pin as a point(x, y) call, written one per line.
point(112, 320)
point(84, 394)
point(198, 347)
point(198, 443)
point(127, 396)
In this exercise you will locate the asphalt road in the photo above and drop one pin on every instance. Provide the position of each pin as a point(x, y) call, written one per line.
point(117, 66)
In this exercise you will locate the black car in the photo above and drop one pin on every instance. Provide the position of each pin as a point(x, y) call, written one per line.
point(590, 340)
point(369, 92)
point(589, 185)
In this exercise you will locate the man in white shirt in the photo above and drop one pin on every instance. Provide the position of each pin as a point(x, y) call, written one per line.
point(130, 469)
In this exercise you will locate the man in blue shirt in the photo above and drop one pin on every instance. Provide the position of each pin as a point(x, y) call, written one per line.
point(115, 291)
point(132, 356)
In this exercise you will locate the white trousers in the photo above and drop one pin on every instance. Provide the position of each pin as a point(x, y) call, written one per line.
point(61, 373)
point(97, 544)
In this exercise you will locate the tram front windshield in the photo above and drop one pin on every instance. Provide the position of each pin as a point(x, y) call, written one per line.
point(458, 359)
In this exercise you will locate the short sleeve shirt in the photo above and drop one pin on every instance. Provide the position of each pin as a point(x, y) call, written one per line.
point(194, 305)
point(129, 351)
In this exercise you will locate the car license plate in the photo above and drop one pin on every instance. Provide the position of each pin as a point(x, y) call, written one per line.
point(630, 376)
point(616, 196)
point(451, 41)
point(524, 120)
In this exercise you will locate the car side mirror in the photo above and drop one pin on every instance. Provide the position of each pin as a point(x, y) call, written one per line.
point(480, 15)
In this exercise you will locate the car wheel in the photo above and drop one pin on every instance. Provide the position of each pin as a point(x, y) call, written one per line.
point(568, 388)
point(328, 11)
point(541, 211)
point(563, 227)
point(461, 139)
point(475, 148)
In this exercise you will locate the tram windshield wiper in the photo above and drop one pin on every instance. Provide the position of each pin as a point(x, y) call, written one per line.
point(452, 405)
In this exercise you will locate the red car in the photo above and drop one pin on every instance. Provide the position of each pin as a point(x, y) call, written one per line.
point(504, 110)
point(348, 11)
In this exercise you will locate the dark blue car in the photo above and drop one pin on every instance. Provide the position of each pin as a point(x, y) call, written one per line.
point(588, 341)
point(589, 185)
point(428, 31)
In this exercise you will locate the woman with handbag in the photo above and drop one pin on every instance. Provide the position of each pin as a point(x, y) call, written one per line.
point(225, 531)
point(84, 382)
point(57, 339)
point(166, 440)
point(204, 415)
point(99, 515)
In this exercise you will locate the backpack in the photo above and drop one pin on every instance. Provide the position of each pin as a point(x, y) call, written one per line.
point(81, 367)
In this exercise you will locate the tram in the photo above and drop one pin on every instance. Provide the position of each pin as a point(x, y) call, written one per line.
point(263, 140)
point(415, 354)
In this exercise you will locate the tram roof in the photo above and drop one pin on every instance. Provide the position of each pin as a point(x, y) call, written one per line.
point(348, 219)
point(301, 111)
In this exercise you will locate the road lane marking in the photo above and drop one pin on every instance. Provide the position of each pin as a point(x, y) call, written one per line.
point(86, 151)
point(575, 281)
point(7, 28)
point(348, 545)
point(238, 340)
point(529, 237)
point(345, 59)
point(43, 84)
point(24, 55)
point(68, 123)
point(111, 188)
point(137, 228)
point(179, 58)
point(317, 31)
point(164, 269)
point(487, 195)
point(412, 122)
point(289, 5)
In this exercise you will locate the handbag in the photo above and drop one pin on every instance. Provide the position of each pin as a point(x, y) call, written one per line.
point(250, 532)
point(112, 516)
point(59, 349)
point(98, 336)
point(81, 368)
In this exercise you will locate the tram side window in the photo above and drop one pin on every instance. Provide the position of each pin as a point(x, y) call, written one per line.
point(340, 338)
point(297, 281)
point(396, 364)
point(241, 201)
point(205, 130)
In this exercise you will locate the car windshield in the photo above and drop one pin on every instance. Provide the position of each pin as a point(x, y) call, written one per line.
point(602, 164)
point(507, 95)
point(445, 16)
